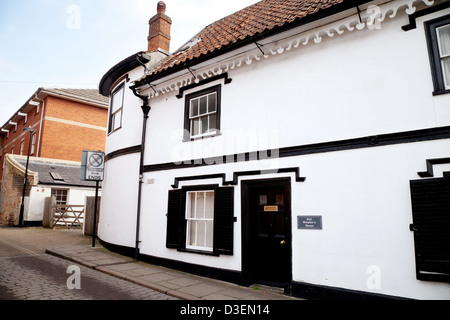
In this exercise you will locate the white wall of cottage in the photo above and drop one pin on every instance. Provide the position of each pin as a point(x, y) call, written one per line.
point(358, 84)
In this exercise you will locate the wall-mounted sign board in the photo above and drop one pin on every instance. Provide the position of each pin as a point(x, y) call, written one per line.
point(309, 222)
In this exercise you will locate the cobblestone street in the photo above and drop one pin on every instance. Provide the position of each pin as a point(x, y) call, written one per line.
point(44, 277)
point(27, 273)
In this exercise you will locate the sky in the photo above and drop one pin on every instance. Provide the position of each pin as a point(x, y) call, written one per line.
point(73, 43)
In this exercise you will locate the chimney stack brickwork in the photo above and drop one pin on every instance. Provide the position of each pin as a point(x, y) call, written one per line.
point(159, 34)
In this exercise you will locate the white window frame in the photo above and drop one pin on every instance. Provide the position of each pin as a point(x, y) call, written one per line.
point(58, 192)
point(443, 56)
point(33, 143)
point(118, 112)
point(197, 118)
point(193, 218)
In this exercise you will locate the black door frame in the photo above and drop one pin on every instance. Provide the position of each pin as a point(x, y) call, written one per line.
point(246, 185)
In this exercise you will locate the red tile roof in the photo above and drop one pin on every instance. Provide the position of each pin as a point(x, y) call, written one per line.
point(248, 22)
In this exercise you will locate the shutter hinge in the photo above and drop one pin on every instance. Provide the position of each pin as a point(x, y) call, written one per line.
point(412, 227)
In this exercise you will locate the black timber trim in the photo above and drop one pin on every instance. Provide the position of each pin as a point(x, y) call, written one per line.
point(122, 152)
point(332, 146)
point(299, 289)
point(126, 65)
point(412, 18)
point(200, 270)
point(320, 292)
point(203, 82)
point(430, 162)
point(236, 176)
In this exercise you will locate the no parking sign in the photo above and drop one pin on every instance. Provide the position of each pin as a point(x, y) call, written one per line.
point(92, 165)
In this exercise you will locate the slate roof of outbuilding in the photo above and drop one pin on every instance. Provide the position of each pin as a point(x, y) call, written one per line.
point(70, 171)
point(246, 23)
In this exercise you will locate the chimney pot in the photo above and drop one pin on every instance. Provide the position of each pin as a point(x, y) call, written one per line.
point(161, 7)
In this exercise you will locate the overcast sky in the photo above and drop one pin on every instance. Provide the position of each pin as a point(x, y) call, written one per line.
point(73, 43)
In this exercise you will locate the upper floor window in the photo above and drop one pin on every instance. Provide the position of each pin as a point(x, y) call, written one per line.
point(202, 114)
point(438, 36)
point(33, 143)
point(115, 113)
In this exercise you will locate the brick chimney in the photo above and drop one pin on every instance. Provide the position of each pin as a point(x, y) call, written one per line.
point(159, 34)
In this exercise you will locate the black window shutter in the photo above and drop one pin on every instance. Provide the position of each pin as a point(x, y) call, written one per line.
point(223, 220)
point(173, 219)
point(431, 225)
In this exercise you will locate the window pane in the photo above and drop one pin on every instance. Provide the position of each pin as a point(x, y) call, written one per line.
point(191, 205)
point(444, 40)
point(194, 107)
point(212, 123)
point(201, 232)
point(263, 199)
point(203, 104)
point(209, 234)
point(117, 119)
point(204, 124)
point(446, 71)
point(212, 102)
point(209, 207)
point(192, 226)
point(279, 198)
point(195, 127)
point(117, 101)
point(200, 205)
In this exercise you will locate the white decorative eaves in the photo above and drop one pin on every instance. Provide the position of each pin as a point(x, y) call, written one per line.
point(371, 18)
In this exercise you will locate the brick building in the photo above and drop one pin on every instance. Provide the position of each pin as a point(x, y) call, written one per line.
point(65, 122)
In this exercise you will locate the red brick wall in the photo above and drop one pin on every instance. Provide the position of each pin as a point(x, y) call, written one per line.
point(159, 33)
point(66, 141)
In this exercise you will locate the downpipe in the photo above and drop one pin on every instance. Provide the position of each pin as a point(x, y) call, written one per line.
point(145, 110)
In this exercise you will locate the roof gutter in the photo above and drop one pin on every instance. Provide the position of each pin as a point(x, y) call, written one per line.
point(118, 70)
point(346, 5)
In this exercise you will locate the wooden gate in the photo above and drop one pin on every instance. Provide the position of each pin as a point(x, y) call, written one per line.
point(69, 215)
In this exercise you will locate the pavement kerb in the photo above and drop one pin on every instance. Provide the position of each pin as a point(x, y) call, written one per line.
point(102, 268)
point(104, 261)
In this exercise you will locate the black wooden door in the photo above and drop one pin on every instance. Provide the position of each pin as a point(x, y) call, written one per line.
point(269, 234)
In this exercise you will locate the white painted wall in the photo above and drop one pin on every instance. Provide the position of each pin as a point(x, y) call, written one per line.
point(117, 222)
point(359, 84)
point(34, 204)
point(363, 198)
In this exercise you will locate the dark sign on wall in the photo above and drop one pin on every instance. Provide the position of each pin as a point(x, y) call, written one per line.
point(309, 222)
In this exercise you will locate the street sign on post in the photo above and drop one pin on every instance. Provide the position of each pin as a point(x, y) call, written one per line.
point(92, 165)
point(92, 168)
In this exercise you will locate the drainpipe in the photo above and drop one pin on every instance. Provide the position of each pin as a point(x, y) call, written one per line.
point(145, 110)
point(38, 149)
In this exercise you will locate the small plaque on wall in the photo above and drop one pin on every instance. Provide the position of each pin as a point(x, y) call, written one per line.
point(309, 222)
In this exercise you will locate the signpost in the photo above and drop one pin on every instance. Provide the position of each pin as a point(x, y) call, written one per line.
point(92, 169)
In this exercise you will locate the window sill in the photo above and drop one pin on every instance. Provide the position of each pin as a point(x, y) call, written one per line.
point(117, 129)
point(204, 137)
point(207, 253)
point(439, 92)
